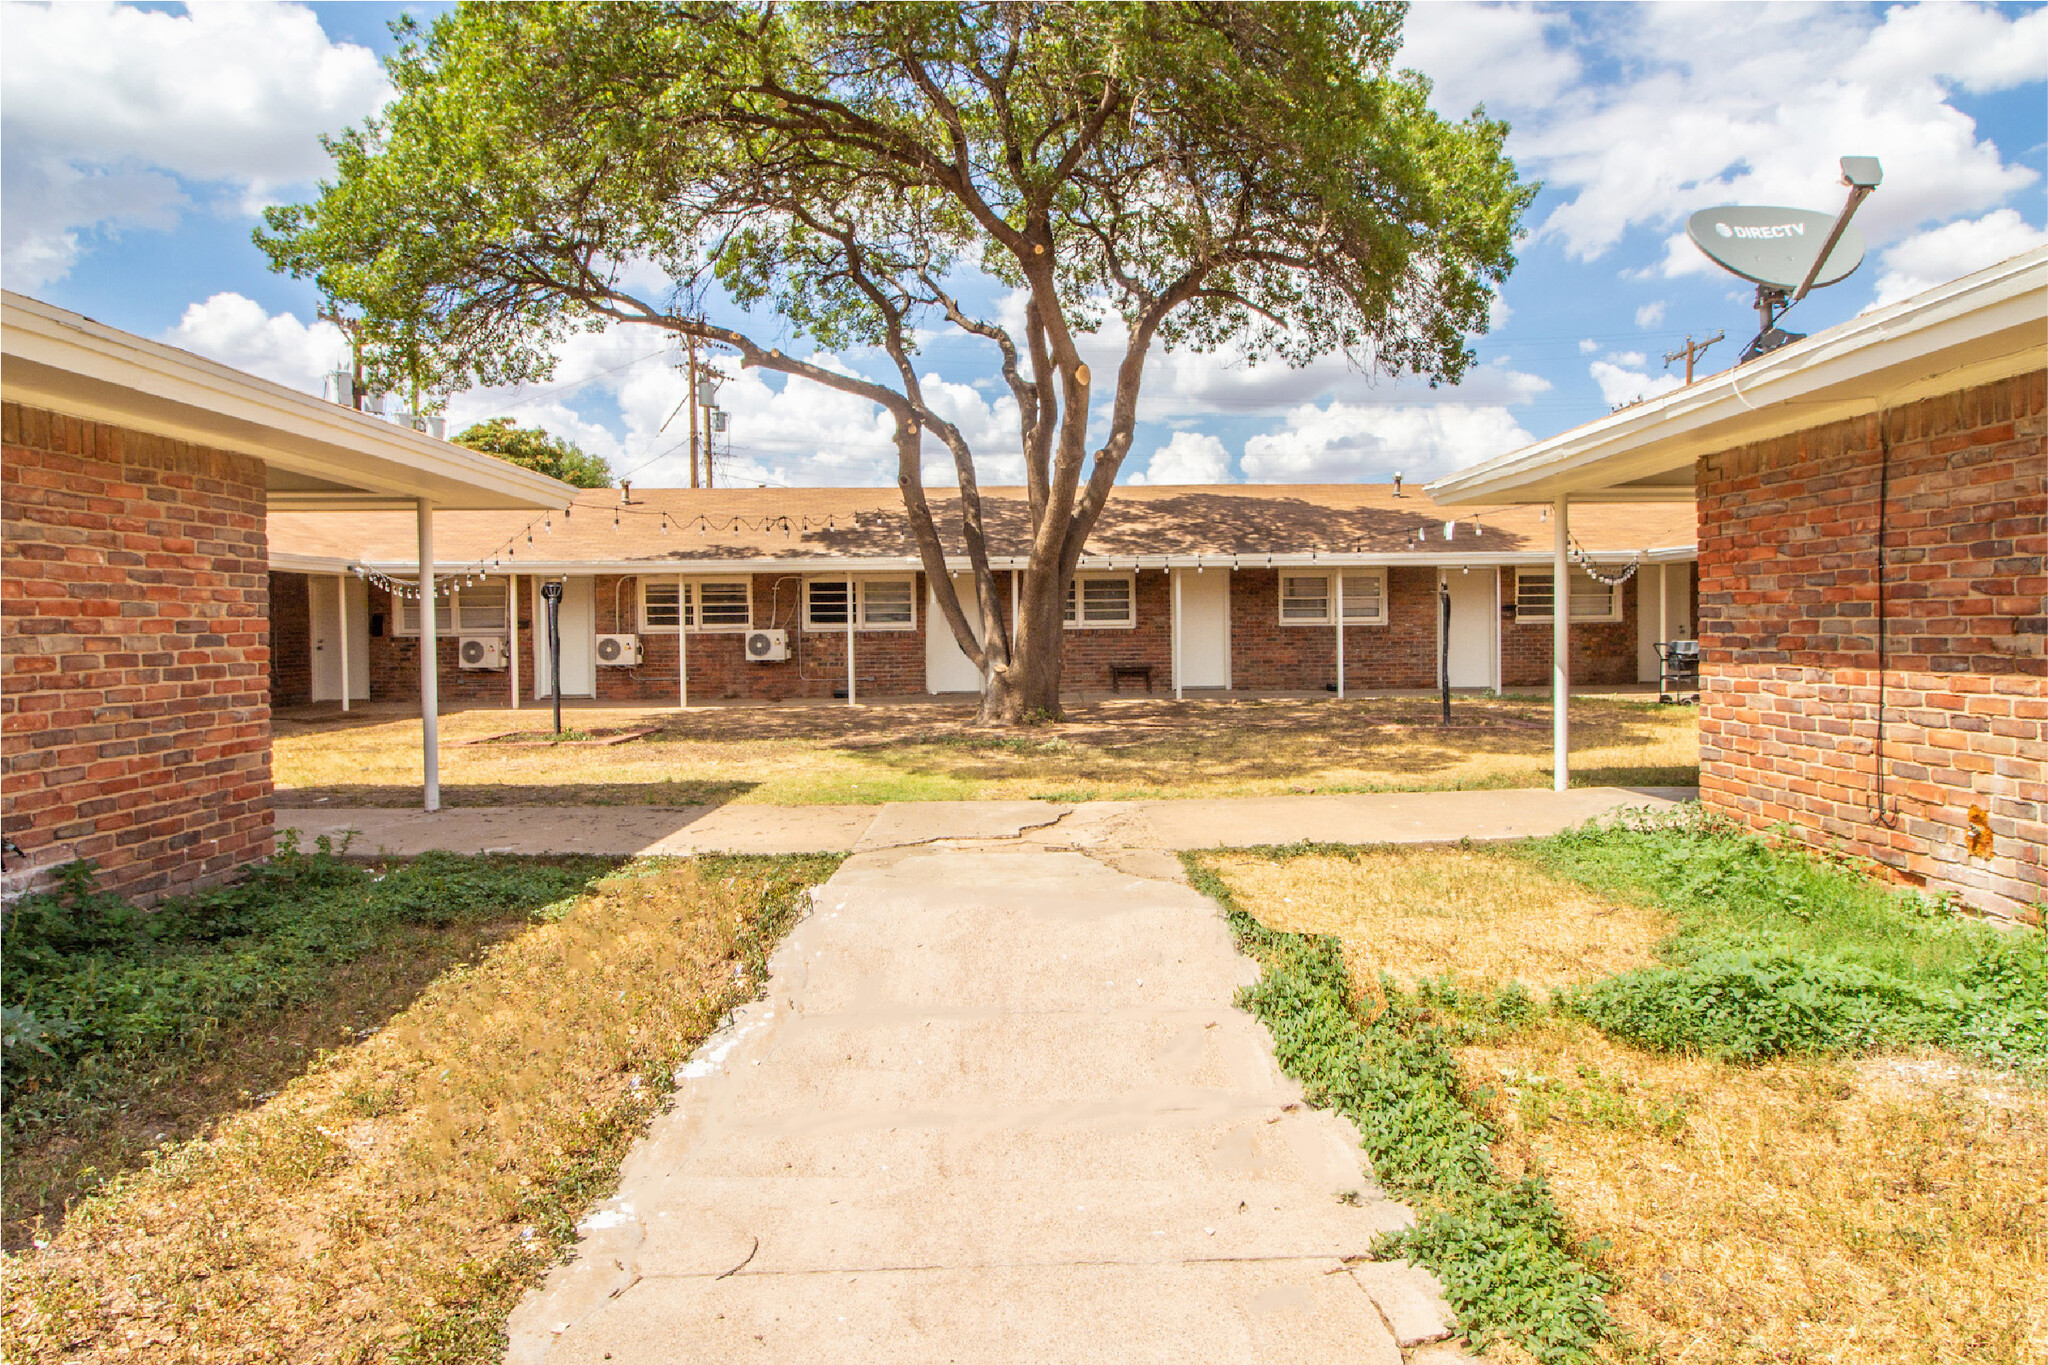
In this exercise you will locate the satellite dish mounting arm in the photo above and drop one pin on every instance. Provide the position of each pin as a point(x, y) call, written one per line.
point(1861, 174)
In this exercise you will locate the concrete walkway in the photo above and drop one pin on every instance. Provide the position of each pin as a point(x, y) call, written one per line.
point(1225, 822)
point(997, 1106)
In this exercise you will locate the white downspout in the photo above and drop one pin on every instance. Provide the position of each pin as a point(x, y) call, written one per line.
point(341, 599)
point(682, 646)
point(1560, 649)
point(852, 685)
point(430, 663)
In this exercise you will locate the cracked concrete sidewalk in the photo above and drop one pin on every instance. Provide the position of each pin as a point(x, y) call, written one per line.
point(1217, 822)
point(997, 1105)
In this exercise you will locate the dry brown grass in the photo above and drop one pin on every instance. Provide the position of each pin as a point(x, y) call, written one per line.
point(405, 1190)
point(1893, 1209)
point(1889, 1210)
point(1464, 913)
point(244, 1060)
point(793, 755)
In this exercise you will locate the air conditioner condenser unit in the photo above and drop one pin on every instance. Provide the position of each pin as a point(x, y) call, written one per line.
point(618, 651)
point(767, 646)
point(481, 651)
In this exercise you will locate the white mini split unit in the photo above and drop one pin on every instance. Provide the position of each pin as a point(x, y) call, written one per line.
point(618, 651)
point(481, 651)
point(767, 646)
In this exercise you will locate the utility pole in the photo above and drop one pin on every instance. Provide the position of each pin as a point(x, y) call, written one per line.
point(1691, 352)
point(692, 402)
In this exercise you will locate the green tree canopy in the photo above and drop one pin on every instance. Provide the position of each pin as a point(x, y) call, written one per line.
point(534, 449)
point(1252, 176)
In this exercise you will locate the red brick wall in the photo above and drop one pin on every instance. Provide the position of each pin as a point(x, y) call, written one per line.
point(1789, 591)
point(134, 655)
point(291, 640)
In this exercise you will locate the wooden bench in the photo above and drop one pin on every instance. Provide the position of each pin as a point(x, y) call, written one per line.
point(1121, 673)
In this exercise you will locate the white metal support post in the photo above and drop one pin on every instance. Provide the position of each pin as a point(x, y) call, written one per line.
point(852, 685)
point(341, 610)
point(512, 628)
point(1560, 649)
point(430, 663)
point(1177, 691)
point(1338, 598)
point(1663, 632)
point(682, 645)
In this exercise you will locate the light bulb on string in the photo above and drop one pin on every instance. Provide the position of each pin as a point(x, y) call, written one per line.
point(664, 523)
point(548, 524)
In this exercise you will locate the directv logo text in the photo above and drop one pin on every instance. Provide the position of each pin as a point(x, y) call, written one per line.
point(1756, 233)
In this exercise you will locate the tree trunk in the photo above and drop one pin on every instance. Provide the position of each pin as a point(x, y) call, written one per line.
point(1028, 690)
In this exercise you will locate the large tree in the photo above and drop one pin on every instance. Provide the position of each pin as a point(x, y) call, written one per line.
point(1250, 176)
point(533, 448)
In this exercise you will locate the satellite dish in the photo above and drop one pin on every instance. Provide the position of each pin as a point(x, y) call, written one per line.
point(1775, 247)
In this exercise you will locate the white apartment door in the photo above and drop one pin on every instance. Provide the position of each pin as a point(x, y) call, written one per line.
point(1204, 627)
point(579, 641)
point(1475, 626)
point(1677, 580)
point(326, 632)
point(946, 667)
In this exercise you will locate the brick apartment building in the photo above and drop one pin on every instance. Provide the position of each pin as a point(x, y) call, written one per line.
point(1873, 560)
point(135, 661)
point(1206, 589)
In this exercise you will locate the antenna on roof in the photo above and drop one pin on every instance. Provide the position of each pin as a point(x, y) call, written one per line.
point(1773, 247)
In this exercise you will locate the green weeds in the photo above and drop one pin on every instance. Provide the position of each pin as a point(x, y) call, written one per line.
point(1507, 1262)
point(1777, 952)
point(96, 988)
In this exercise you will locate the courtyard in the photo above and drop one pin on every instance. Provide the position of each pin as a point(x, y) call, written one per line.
point(1120, 749)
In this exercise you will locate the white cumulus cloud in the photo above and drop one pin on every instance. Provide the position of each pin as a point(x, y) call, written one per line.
point(1353, 443)
point(110, 114)
point(238, 331)
point(1190, 457)
point(1620, 384)
point(1953, 250)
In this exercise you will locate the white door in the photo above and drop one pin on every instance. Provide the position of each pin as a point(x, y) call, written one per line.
point(1677, 580)
point(325, 630)
point(1475, 622)
point(579, 640)
point(946, 668)
point(1204, 627)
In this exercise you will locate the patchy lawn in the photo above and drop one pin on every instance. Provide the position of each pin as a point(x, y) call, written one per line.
point(797, 755)
point(395, 1199)
point(1725, 1073)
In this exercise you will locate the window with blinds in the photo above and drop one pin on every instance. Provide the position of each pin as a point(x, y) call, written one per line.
point(1304, 599)
point(1101, 601)
point(708, 604)
point(1591, 600)
point(878, 603)
point(1365, 598)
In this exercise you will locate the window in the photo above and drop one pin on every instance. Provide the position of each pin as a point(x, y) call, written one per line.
point(1365, 598)
point(879, 603)
point(887, 604)
point(710, 604)
point(1101, 601)
point(1304, 599)
point(444, 614)
point(480, 609)
point(1592, 600)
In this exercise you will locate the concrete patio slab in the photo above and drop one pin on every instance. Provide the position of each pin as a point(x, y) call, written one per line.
point(996, 1105)
point(606, 831)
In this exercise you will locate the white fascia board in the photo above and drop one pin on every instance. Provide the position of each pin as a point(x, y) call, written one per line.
point(1450, 558)
point(67, 363)
point(307, 564)
point(1975, 330)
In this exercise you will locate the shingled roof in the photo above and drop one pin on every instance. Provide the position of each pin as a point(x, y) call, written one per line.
point(736, 527)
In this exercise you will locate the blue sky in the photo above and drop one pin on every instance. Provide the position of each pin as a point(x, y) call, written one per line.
point(137, 144)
